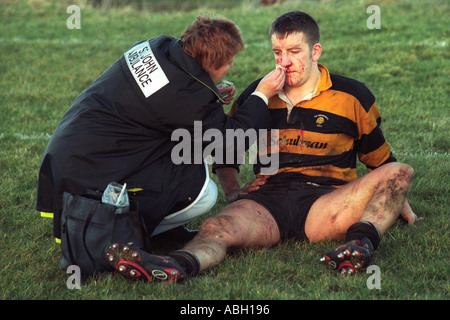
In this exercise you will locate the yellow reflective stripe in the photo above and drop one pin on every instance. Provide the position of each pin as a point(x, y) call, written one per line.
point(58, 240)
point(135, 189)
point(47, 215)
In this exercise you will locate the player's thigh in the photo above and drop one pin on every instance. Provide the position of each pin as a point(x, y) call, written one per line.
point(332, 214)
point(252, 224)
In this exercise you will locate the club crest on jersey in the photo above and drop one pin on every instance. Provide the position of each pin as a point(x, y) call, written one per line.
point(320, 120)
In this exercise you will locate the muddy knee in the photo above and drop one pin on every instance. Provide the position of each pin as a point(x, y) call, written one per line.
point(402, 173)
point(397, 182)
point(399, 173)
point(219, 228)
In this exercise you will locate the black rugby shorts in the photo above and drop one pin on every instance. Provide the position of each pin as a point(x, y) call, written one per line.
point(288, 197)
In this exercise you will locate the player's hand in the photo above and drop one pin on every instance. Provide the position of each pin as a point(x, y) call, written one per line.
point(252, 186)
point(408, 215)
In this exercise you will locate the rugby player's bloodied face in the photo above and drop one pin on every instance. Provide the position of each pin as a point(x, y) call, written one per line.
point(294, 54)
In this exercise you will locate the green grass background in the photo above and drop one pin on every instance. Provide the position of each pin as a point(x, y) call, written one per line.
point(44, 66)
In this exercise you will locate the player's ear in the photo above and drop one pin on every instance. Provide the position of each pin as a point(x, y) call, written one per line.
point(316, 52)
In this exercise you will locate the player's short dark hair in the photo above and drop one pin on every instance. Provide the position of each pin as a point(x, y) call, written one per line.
point(296, 21)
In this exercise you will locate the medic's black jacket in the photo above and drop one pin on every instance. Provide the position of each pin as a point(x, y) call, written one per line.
point(119, 129)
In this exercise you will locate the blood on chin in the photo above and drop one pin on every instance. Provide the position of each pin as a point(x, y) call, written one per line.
point(290, 80)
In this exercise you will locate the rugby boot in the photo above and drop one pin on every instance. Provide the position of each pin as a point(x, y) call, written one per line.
point(350, 257)
point(137, 264)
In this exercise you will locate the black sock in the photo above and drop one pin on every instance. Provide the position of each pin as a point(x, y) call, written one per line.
point(187, 260)
point(361, 230)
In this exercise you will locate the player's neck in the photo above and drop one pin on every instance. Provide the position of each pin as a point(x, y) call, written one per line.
point(296, 94)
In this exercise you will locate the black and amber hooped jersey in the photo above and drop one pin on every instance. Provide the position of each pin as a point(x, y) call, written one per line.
point(322, 137)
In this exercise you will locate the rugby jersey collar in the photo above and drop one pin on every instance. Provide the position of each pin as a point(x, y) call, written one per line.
point(325, 79)
point(324, 84)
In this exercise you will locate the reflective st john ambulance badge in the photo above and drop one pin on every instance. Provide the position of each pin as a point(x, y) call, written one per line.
point(145, 69)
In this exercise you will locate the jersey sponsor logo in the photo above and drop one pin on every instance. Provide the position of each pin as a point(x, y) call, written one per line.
point(298, 141)
point(145, 69)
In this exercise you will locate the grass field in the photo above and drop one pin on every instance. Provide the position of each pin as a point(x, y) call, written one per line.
point(44, 66)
